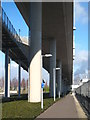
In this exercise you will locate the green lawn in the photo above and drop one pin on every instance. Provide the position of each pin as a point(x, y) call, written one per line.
point(23, 109)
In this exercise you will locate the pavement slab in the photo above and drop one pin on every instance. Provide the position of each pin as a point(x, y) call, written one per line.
point(67, 107)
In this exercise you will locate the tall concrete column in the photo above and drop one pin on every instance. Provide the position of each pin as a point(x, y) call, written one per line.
point(65, 86)
point(7, 74)
point(62, 87)
point(19, 79)
point(52, 64)
point(59, 78)
point(34, 92)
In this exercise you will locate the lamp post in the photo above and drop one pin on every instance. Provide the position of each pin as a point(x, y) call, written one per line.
point(74, 29)
point(42, 84)
point(54, 84)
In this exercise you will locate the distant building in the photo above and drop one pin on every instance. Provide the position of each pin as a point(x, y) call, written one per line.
point(85, 80)
point(81, 82)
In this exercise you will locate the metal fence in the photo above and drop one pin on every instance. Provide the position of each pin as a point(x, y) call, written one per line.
point(84, 89)
point(7, 23)
point(83, 95)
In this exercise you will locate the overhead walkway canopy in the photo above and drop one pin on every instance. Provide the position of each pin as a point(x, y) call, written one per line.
point(51, 31)
point(57, 23)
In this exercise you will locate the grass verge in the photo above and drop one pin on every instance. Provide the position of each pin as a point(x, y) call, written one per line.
point(23, 109)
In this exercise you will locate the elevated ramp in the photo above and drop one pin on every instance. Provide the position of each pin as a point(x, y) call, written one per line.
point(18, 51)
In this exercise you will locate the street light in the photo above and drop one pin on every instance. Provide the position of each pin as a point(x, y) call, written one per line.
point(42, 84)
point(54, 85)
point(57, 68)
point(74, 28)
point(47, 55)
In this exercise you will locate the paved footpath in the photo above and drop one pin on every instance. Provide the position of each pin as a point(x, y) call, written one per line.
point(67, 107)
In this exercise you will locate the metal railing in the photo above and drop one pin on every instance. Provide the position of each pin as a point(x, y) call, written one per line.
point(9, 26)
point(84, 89)
point(83, 95)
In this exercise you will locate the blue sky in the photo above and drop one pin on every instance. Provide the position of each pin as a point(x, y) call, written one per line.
point(15, 17)
point(82, 25)
point(81, 38)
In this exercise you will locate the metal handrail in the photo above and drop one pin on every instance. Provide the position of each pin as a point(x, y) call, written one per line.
point(84, 89)
point(9, 26)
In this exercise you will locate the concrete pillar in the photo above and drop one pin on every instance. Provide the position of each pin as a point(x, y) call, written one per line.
point(52, 63)
point(7, 74)
point(34, 84)
point(59, 78)
point(66, 86)
point(19, 79)
point(65, 83)
point(62, 87)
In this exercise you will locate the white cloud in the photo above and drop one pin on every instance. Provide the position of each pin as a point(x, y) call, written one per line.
point(81, 56)
point(81, 13)
point(81, 63)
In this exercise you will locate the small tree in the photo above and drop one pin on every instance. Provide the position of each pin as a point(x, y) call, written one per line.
point(23, 84)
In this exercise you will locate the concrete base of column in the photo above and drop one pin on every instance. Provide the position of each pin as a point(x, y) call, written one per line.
point(35, 79)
